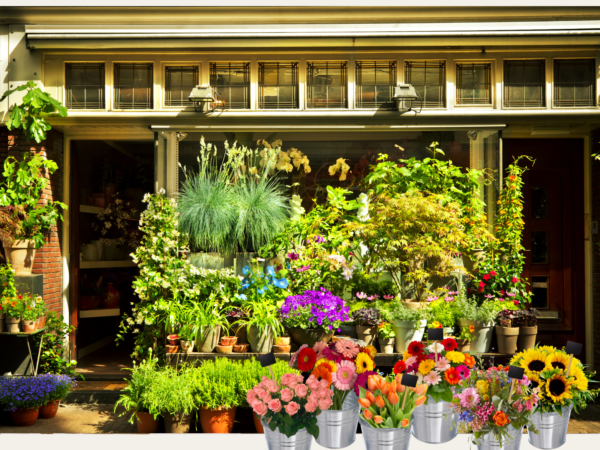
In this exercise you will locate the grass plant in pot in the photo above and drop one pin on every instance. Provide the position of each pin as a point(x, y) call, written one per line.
point(507, 332)
point(481, 319)
point(205, 321)
point(263, 324)
point(408, 324)
point(367, 320)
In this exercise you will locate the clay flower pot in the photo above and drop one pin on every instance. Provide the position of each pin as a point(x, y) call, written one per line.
point(146, 423)
point(229, 340)
point(187, 346)
point(177, 423)
point(527, 337)
point(241, 348)
point(173, 339)
point(172, 348)
point(282, 348)
point(25, 417)
point(217, 420)
point(21, 254)
point(507, 339)
point(49, 410)
point(224, 348)
point(258, 424)
point(28, 325)
point(13, 324)
point(282, 340)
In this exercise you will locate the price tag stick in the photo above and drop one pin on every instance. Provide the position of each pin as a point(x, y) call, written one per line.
point(404, 399)
point(569, 366)
point(512, 388)
point(572, 348)
point(435, 348)
point(272, 374)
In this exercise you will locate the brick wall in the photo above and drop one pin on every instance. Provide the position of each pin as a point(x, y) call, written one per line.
point(48, 260)
point(596, 249)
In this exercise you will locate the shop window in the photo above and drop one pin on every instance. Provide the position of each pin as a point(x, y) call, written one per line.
point(524, 84)
point(179, 82)
point(574, 83)
point(375, 81)
point(232, 83)
point(429, 79)
point(474, 84)
point(85, 86)
point(278, 85)
point(134, 86)
point(327, 84)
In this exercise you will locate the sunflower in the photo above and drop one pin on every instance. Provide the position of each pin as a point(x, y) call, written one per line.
point(363, 363)
point(455, 357)
point(547, 349)
point(330, 364)
point(581, 381)
point(322, 373)
point(372, 351)
point(558, 388)
point(534, 360)
point(535, 379)
point(557, 360)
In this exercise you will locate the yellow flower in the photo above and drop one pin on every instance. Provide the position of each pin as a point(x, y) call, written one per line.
point(436, 324)
point(323, 361)
point(426, 366)
point(558, 360)
point(535, 379)
point(482, 386)
point(581, 381)
point(558, 388)
point(486, 397)
point(455, 357)
point(534, 360)
point(406, 355)
point(372, 350)
point(363, 363)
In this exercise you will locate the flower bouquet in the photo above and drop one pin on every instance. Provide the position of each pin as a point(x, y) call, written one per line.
point(562, 388)
point(496, 412)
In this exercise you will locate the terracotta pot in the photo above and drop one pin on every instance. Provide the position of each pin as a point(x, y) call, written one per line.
point(21, 255)
point(527, 337)
point(187, 346)
point(463, 345)
point(49, 410)
point(413, 304)
point(386, 346)
point(241, 348)
point(283, 340)
point(282, 348)
point(507, 339)
point(339, 338)
point(229, 340)
point(224, 348)
point(258, 424)
point(209, 339)
point(25, 417)
point(111, 297)
point(146, 423)
point(260, 342)
point(13, 324)
point(217, 420)
point(28, 325)
point(177, 423)
point(173, 339)
point(366, 334)
point(309, 337)
point(99, 200)
point(172, 348)
point(242, 335)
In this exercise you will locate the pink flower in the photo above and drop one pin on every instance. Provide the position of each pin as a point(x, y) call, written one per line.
point(311, 407)
point(345, 376)
point(313, 397)
point(469, 398)
point(346, 348)
point(463, 371)
point(292, 408)
point(518, 405)
point(260, 408)
point(301, 390)
point(250, 396)
point(432, 378)
point(287, 395)
point(324, 383)
point(289, 380)
point(262, 394)
point(477, 424)
point(319, 346)
point(295, 355)
point(270, 385)
point(325, 403)
point(312, 383)
point(275, 405)
point(410, 361)
point(442, 364)
point(331, 355)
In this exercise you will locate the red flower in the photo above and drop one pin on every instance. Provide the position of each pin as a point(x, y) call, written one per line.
point(482, 284)
point(516, 302)
point(480, 289)
point(493, 273)
point(486, 277)
point(421, 358)
point(415, 348)
point(307, 359)
point(514, 280)
point(399, 367)
point(449, 344)
point(20, 297)
point(469, 291)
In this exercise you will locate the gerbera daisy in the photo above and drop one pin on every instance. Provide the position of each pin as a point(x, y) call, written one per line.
point(319, 346)
point(442, 364)
point(415, 348)
point(449, 344)
point(581, 381)
point(331, 355)
point(534, 360)
point(361, 380)
point(557, 360)
point(406, 355)
point(435, 346)
point(330, 364)
point(322, 373)
point(455, 357)
point(426, 366)
point(345, 376)
point(295, 355)
point(451, 376)
point(469, 361)
point(558, 388)
point(432, 378)
point(399, 367)
point(463, 371)
point(306, 359)
point(363, 363)
point(372, 351)
point(469, 398)
point(346, 348)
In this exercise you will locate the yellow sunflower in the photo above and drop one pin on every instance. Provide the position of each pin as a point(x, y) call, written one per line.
point(363, 363)
point(558, 360)
point(455, 357)
point(332, 366)
point(536, 381)
point(547, 349)
point(581, 381)
point(558, 388)
point(426, 366)
point(372, 350)
point(534, 360)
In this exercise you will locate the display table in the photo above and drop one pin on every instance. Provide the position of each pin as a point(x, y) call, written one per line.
point(12, 349)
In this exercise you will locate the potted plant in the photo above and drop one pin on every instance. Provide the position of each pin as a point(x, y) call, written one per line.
point(29, 313)
point(507, 331)
point(23, 397)
point(443, 311)
point(233, 315)
point(13, 312)
point(263, 324)
point(41, 311)
point(205, 322)
point(313, 316)
point(386, 335)
point(57, 388)
point(481, 318)
point(527, 321)
point(408, 324)
point(563, 388)
point(464, 338)
point(186, 339)
point(367, 320)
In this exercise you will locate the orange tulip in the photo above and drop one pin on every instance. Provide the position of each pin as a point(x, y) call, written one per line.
point(421, 389)
point(381, 383)
point(400, 388)
point(394, 385)
point(393, 397)
point(364, 402)
point(420, 400)
point(373, 385)
point(404, 423)
point(370, 397)
point(385, 390)
point(368, 414)
point(378, 419)
point(379, 402)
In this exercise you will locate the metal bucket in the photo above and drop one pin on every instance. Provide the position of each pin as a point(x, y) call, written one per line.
point(279, 441)
point(433, 423)
point(337, 429)
point(489, 441)
point(384, 438)
point(552, 428)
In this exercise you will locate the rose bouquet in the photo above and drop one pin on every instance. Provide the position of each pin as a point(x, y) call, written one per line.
point(291, 405)
point(314, 309)
point(387, 403)
point(441, 375)
point(487, 404)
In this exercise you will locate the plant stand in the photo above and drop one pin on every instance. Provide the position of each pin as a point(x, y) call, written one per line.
point(11, 355)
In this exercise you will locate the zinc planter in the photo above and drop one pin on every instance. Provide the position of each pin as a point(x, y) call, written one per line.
point(433, 422)
point(260, 342)
point(406, 332)
point(146, 423)
point(25, 417)
point(507, 339)
point(21, 255)
point(527, 337)
point(209, 339)
point(13, 324)
point(279, 441)
point(482, 335)
point(552, 428)
point(384, 438)
point(490, 442)
point(367, 334)
point(177, 424)
point(49, 410)
point(337, 429)
point(386, 345)
point(309, 337)
point(217, 420)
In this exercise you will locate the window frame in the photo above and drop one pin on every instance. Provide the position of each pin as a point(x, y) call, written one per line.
point(250, 86)
point(446, 82)
point(355, 82)
point(492, 104)
point(155, 107)
point(163, 83)
point(544, 84)
point(300, 83)
point(553, 72)
point(346, 87)
point(107, 84)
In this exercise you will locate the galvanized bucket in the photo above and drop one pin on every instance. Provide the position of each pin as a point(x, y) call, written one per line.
point(433, 422)
point(489, 441)
point(337, 429)
point(552, 428)
point(279, 441)
point(384, 438)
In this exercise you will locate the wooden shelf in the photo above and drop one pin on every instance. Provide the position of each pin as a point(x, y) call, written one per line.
point(90, 209)
point(105, 264)
point(89, 313)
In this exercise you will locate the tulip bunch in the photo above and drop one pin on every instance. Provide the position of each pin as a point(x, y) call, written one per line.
point(389, 404)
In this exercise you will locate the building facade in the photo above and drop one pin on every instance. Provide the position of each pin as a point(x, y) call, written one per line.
point(493, 84)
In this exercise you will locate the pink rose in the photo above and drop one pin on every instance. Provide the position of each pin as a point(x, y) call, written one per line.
point(286, 379)
point(252, 401)
point(299, 378)
point(313, 397)
point(311, 407)
point(260, 408)
point(251, 395)
point(324, 384)
point(292, 408)
point(273, 387)
point(323, 393)
point(275, 405)
point(260, 392)
point(287, 395)
point(325, 403)
point(301, 390)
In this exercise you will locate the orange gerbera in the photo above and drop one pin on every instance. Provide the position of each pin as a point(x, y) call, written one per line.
point(451, 376)
point(469, 361)
point(322, 372)
point(501, 419)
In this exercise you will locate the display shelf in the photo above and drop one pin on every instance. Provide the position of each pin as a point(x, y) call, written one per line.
point(105, 264)
point(90, 209)
point(22, 333)
point(89, 313)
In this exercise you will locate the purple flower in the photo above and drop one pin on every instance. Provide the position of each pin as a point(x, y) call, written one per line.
point(361, 380)
point(321, 308)
point(293, 256)
point(303, 269)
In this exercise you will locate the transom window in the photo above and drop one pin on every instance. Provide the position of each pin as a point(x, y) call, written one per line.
point(574, 83)
point(232, 82)
point(375, 81)
point(278, 85)
point(134, 86)
point(429, 79)
point(473, 84)
point(327, 84)
point(179, 82)
point(84, 85)
point(524, 84)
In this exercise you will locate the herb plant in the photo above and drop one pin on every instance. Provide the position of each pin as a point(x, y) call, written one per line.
point(134, 397)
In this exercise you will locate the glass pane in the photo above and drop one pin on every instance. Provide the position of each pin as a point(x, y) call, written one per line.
point(286, 75)
point(540, 290)
point(582, 93)
point(384, 95)
point(188, 78)
point(368, 94)
point(125, 95)
point(516, 73)
point(238, 76)
point(270, 77)
point(367, 76)
point(238, 94)
point(92, 76)
point(539, 247)
point(140, 77)
point(335, 95)
point(539, 202)
point(140, 97)
point(125, 76)
point(77, 97)
point(581, 71)
point(92, 97)
point(218, 79)
point(432, 95)
point(516, 93)
point(286, 94)
point(533, 94)
point(566, 93)
point(533, 72)
point(417, 76)
point(382, 77)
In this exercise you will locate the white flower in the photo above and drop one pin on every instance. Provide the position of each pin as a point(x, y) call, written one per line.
point(363, 210)
point(161, 191)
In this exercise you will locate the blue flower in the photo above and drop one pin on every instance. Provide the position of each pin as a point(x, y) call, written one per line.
point(245, 270)
point(282, 283)
point(245, 285)
point(261, 291)
point(242, 296)
point(271, 270)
